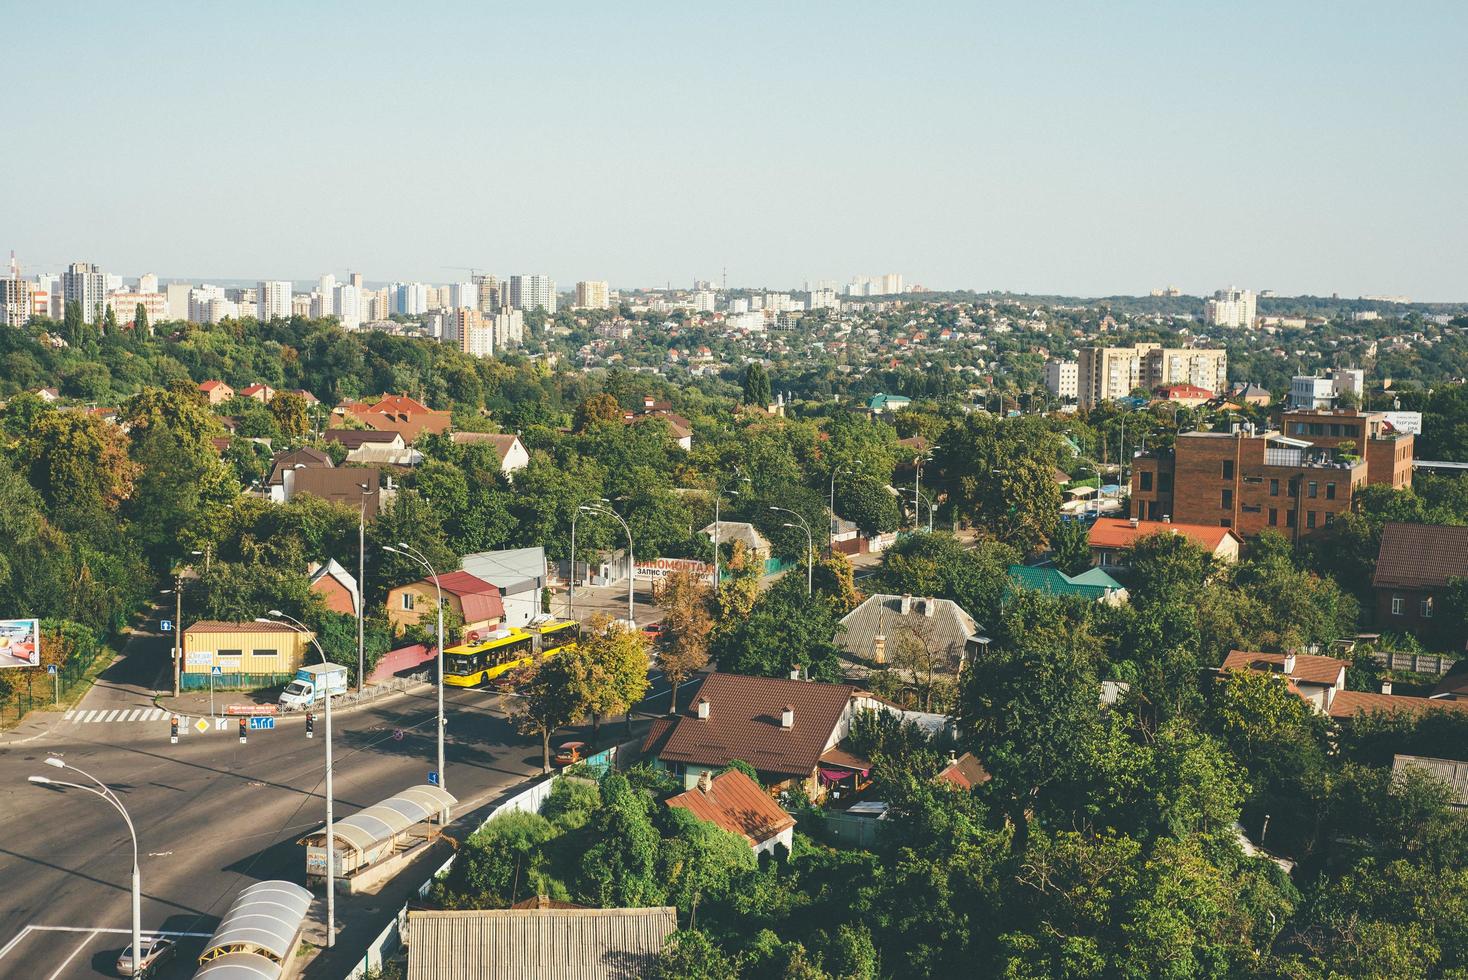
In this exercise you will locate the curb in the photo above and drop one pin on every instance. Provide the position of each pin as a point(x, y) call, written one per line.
point(336, 712)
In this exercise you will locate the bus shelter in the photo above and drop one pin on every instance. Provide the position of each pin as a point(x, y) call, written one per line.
point(258, 934)
point(370, 838)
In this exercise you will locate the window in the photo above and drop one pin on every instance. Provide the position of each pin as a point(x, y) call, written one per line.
point(1424, 608)
point(408, 601)
point(1225, 522)
point(1146, 477)
point(1330, 491)
point(230, 653)
point(272, 654)
point(1289, 518)
point(1313, 489)
point(1309, 518)
point(1254, 480)
point(1398, 605)
point(1250, 508)
point(1274, 488)
point(1329, 519)
point(1273, 517)
point(1228, 469)
point(1164, 483)
point(1226, 499)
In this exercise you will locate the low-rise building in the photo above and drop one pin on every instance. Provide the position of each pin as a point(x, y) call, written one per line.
point(520, 576)
point(876, 630)
point(336, 586)
point(531, 943)
point(509, 448)
point(1092, 585)
point(1321, 681)
point(259, 392)
point(249, 654)
point(216, 392)
point(734, 802)
point(1415, 565)
point(1111, 537)
point(476, 602)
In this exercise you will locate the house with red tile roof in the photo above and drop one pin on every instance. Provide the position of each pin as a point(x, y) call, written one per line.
point(1321, 681)
point(964, 772)
point(476, 601)
point(216, 391)
point(1110, 537)
point(1186, 395)
point(259, 392)
point(406, 416)
point(734, 802)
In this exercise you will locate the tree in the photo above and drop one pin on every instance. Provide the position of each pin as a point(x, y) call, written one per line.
point(140, 325)
point(547, 700)
point(756, 386)
point(80, 465)
point(1071, 545)
point(700, 860)
point(610, 663)
point(868, 504)
point(598, 408)
point(289, 411)
point(687, 601)
point(926, 660)
point(689, 954)
point(73, 325)
point(109, 322)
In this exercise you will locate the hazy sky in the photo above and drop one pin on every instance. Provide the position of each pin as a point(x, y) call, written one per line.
point(1085, 148)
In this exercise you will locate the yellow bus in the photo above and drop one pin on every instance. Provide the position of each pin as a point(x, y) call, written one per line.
point(469, 664)
point(556, 635)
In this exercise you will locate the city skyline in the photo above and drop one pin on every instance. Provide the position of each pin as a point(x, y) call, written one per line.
point(1100, 161)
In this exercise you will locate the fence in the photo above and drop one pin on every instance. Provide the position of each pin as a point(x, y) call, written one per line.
point(1417, 663)
point(33, 688)
point(843, 828)
point(369, 693)
point(528, 800)
point(237, 681)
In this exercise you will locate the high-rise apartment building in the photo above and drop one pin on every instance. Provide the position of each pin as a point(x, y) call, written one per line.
point(593, 295)
point(125, 306)
point(530, 292)
point(509, 328)
point(1062, 379)
point(273, 298)
point(1104, 373)
point(147, 283)
point(1231, 307)
point(16, 304)
point(409, 298)
point(824, 298)
point(347, 302)
point(491, 293)
point(86, 285)
point(464, 296)
point(475, 336)
point(326, 289)
point(705, 300)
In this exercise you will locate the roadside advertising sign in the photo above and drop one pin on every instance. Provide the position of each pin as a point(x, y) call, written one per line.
point(200, 658)
point(20, 643)
point(250, 709)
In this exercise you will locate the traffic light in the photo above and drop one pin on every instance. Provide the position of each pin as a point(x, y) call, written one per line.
point(173, 731)
point(242, 731)
point(310, 725)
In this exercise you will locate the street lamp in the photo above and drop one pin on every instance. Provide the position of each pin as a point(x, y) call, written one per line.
point(416, 555)
point(571, 583)
point(603, 506)
point(717, 495)
point(809, 543)
point(105, 793)
point(924, 456)
point(929, 501)
point(362, 580)
point(831, 538)
point(330, 798)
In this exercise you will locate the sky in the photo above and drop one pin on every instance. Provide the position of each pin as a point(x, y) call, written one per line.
point(1083, 148)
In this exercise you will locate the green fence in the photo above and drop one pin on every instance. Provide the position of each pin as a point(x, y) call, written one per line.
point(232, 681)
point(26, 689)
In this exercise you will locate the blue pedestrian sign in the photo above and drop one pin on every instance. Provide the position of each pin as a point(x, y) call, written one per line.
point(50, 668)
point(433, 779)
point(166, 625)
point(262, 724)
point(216, 671)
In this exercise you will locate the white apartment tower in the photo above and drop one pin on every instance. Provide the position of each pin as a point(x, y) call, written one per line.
point(274, 299)
point(327, 289)
point(1062, 379)
point(86, 285)
point(1231, 307)
point(348, 305)
point(593, 295)
point(529, 292)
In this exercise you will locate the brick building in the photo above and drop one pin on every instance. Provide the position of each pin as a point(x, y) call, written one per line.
point(1388, 454)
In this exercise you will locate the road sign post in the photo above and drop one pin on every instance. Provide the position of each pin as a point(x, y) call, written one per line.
point(214, 672)
point(432, 778)
point(56, 680)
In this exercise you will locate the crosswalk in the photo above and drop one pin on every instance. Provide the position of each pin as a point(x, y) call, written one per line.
point(80, 716)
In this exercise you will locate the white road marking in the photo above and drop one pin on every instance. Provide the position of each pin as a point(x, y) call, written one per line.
point(70, 713)
point(146, 933)
point(11, 945)
point(84, 716)
point(133, 715)
point(62, 968)
point(157, 714)
point(111, 716)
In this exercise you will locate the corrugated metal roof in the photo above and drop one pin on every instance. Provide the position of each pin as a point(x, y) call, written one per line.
point(263, 919)
point(239, 966)
point(536, 944)
point(387, 819)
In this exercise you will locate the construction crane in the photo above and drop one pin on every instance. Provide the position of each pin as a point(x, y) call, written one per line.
point(464, 268)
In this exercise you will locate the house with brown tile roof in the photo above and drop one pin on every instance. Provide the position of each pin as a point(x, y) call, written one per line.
point(780, 726)
point(507, 446)
point(1110, 537)
point(340, 485)
point(216, 391)
point(965, 772)
point(477, 602)
point(735, 803)
point(1316, 679)
point(1414, 566)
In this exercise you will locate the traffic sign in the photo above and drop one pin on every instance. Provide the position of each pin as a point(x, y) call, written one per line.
point(50, 668)
point(220, 724)
point(262, 722)
point(166, 625)
point(433, 779)
point(202, 725)
point(397, 734)
point(216, 670)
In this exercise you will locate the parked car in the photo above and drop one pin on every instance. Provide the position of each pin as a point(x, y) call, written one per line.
point(156, 952)
point(570, 753)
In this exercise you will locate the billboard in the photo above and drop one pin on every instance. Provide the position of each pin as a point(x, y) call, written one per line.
point(1405, 422)
point(20, 643)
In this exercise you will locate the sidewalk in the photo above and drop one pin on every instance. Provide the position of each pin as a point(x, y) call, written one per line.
point(195, 704)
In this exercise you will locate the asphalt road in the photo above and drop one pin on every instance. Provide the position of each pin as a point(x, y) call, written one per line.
point(212, 815)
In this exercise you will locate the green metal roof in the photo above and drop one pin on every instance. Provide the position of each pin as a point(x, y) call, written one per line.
point(1056, 582)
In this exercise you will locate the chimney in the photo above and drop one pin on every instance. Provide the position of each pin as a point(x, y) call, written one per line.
point(1133, 521)
point(705, 782)
point(879, 648)
point(795, 672)
point(928, 605)
point(787, 717)
point(703, 708)
point(1386, 687)
point(1167, 518)
point(1289, 662)
point(905, 605)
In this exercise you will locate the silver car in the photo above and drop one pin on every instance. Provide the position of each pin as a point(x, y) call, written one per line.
point(156, 952)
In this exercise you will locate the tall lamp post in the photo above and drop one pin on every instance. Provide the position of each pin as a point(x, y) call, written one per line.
point(276, 614)
point(917, 482)
point(105, 793)
point(362, 581)
point(571, 584)
point(927, 500)
point(810, 547)
point(177, 592)
point(718, 494)
point(418, 556)
point(603, 506)
point(831, 538)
